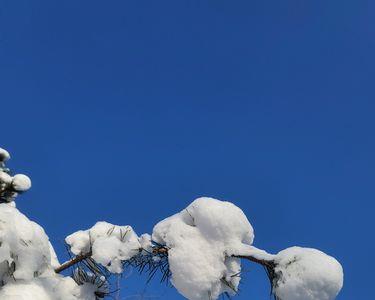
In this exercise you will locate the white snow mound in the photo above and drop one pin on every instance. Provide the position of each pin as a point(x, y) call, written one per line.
point(21, 183)
point(110, 244)
point(307, 274)
point(27, 262)
point(5, 178)
point(198, 239)
point(54, 287)
point(23, 244)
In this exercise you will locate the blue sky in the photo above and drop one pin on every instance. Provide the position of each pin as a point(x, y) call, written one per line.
point(126, 111)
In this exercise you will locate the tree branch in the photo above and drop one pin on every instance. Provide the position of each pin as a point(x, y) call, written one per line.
point(160, 250)
point(72, 262)
point(264, 263)
point(252, 258)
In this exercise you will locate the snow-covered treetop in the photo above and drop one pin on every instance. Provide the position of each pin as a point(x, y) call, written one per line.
point(11, 186)
point(199, 250)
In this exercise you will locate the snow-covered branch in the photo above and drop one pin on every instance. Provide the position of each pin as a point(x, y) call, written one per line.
point(200, 248)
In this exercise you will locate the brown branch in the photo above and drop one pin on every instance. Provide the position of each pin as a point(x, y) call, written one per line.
point(264, 263)
point(158, 250)
point(72, 262)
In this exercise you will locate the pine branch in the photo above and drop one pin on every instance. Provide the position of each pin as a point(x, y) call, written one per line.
point(73, 261)
point(142, 262)
point(262, 262)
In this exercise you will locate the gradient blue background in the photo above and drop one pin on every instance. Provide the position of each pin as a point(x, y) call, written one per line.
point(125, 111)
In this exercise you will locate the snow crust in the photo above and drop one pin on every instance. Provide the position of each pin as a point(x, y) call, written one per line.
point(308, 274)
point(198, 239)
point(110, 244)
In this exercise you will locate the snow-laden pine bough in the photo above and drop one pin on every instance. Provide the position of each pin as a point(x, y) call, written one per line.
point(199, 250)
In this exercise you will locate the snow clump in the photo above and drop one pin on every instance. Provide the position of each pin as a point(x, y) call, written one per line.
point(146, 242)
point(27, 262)
point(21, 183)
point(24, 246)
point(308, 274)
point(48, 287)
point(110, 244)
point(198, 239)
point(5, 178)
point(4, 155)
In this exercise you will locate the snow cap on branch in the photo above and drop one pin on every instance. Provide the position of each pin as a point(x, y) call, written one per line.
point(146, 242)
point(200, 248)
point(21, 183)
point(110, 244)
point(308, 274)
point(4, 155)
point(5, 178)
point(23, 244)
point(27, 262)
point(198, 238)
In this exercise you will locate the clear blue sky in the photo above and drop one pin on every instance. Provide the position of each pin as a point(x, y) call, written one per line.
point(126, 111)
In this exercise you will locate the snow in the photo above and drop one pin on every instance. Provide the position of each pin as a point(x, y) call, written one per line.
point(201, 240)
point(5, 178)
point(21, 183)
point(23, 291)
point(110, 244)
point(54, 260)
point(146, 242)
point(308, 274)
point(27, 262)
point(10, 186)
point(54, 287)
point(247, 250)
point(4, 155)
point(198, 238)
point(23, 243)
